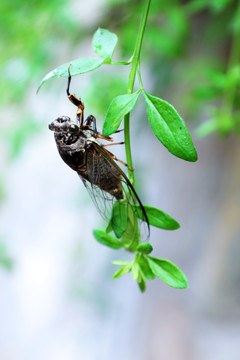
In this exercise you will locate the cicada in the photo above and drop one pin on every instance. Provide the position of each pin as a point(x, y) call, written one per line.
point(80, 146)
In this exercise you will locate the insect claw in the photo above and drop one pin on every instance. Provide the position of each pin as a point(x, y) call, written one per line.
point(117, 131)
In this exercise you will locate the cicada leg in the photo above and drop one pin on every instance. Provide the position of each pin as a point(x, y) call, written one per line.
point(116, 159)
point(91, 121)
point(117, 131)
point(117, 143)
point(76, 101)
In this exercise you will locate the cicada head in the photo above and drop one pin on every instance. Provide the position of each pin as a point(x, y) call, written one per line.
point(64, 124)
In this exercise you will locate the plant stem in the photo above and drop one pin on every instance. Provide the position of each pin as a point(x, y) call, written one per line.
point(140, 78)
point(132, 75)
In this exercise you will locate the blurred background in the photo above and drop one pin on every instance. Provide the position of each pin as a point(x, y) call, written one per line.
point(58, 299)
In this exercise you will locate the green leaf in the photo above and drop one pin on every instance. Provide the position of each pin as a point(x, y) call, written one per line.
point(135, 271)
point(79, 66)
point(157, 217)
point(141, 282)
point(131, 236)
point(145, 248)
point(109, 226)
point(144, 265)
point(104, 43)
point(122, 271)
point(122, 262)
point(106, 239)
point(119, 218)
point(119, 107)
point(168, 272)
point(169, 128)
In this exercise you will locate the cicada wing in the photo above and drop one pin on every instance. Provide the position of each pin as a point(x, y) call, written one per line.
point(131, 194)
point(103, 173)
point(102, 181)
point(102, 200)
point(111, 190)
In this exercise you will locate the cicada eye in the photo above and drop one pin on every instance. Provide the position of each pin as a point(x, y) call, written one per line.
point(73, 128)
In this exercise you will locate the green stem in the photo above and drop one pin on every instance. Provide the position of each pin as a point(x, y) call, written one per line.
point(132, 75)
point(140, 78)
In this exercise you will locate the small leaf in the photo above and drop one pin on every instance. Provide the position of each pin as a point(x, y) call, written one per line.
point(141, 282)
point(157, 217)
point(131, 237)
point(169, 128)
point(135, 271)
point(145, 248)
point(122, 271)
point(122, 262)
point(106, 239)
point(109, 226)
point(79, 66)
point(119, 107)
point(104, 43)
point(119, 218)
point(168, 272)
point(144, 265)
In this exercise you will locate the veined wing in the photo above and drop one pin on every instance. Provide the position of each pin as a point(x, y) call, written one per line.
point(107, 183)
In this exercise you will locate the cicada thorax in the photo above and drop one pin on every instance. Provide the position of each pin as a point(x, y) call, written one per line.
point(71, 149)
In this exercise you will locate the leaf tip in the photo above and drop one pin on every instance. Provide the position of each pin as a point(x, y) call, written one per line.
point(194, 157)
point(39, 87)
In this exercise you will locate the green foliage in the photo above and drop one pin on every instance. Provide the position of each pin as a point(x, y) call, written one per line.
point(145, 248)
point(146, 267)
point(167, 272)
point(104, 43)
point(119, 107)
point(171, 130)
point(122, 271)
point(131, 236)
point(157, 217)
point(182, 42)
point(31, 34)
point(106, 239)
point(119, 218)
point(79, 66)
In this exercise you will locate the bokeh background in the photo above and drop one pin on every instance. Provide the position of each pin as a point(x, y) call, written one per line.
point(58, 300)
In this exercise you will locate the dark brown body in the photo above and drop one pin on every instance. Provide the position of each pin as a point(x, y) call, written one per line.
point(80, 152)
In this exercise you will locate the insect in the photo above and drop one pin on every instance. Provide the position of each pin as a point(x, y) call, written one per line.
point(79, 146)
